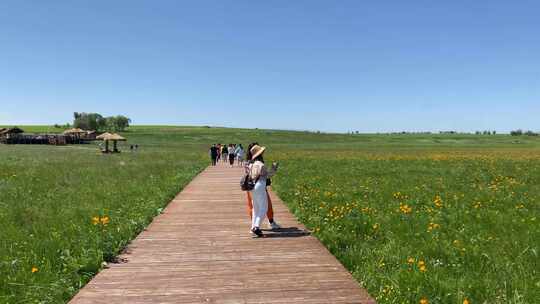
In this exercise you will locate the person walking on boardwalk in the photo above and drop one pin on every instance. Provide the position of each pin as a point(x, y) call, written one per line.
point(259, 173)
point(270, 212)
point(239, 152)
point(213, 154)
point(232, 156)
point(224, 153)
point(218, 151)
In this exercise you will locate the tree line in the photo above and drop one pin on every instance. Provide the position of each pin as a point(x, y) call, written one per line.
point(97, 122)
point(520, 132)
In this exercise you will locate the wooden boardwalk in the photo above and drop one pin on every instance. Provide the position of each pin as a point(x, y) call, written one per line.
point(200, 251)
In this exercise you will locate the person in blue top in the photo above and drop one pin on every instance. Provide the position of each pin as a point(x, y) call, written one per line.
point(239, 155)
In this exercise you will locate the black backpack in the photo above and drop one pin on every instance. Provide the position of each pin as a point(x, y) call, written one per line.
point(247, 183)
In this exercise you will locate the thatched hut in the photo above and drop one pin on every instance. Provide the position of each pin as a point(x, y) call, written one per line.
point(74, 135)
point(76, 131)
point(90, 135)
point(9, 134)
point(111, 137)
point(10, 131)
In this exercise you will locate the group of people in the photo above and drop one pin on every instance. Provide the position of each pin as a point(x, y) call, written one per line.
point(227, 153)
point(258, 199)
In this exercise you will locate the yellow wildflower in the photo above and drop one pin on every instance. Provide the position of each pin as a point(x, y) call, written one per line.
point(433, 226)
point(405, 208)
point(95, 220)
point(422, 266)
point(466, 301)
point(34, 269)
point(424, 301)
point(104, 220)
point(438, 201)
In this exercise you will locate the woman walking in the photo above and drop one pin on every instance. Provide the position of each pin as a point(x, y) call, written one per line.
point(232, 156)
point(239, 155)
point(224, 153)
point(270, 213)
point(259, 173)
point(218, 151)
point(213, 154)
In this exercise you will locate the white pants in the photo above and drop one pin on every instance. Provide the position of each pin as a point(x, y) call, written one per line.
point(260, 203)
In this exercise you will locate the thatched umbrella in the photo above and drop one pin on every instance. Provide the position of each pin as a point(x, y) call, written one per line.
point(111, 137)
point(75, 131)
point(102, 136)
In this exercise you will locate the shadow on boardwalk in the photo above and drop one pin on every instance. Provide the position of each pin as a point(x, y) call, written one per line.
point(286, 232)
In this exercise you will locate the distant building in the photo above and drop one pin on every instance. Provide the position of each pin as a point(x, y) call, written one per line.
point(8, 133)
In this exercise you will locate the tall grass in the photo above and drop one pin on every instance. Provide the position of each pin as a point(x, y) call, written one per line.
point(65, 210)
point(50, 243)
point(430, 227)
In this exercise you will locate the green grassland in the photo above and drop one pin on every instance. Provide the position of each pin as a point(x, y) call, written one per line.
point(440, 217)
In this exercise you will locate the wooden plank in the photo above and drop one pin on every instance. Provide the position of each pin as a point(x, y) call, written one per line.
point(200, 251)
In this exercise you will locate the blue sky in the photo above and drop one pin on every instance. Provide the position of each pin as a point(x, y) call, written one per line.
point(320, 65)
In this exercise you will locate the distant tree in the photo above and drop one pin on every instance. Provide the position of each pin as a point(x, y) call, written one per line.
point(477, 132)
point(59, 126)
point(517, 132)
point(531, 133)
point(101, 123)
point(95, 121)
point(87, 121)
point(80, 120)
point(493, 132)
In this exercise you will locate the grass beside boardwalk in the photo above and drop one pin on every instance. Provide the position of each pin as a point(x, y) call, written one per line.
point(447, 227)
point(64, 210)
point(440, 217)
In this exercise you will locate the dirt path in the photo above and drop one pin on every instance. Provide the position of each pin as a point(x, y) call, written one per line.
point(200, 251)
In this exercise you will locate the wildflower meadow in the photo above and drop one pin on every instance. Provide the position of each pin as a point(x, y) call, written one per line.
point(415, 218)
point(422, 227)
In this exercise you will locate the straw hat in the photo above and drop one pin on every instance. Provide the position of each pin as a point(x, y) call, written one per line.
point(256, 151)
